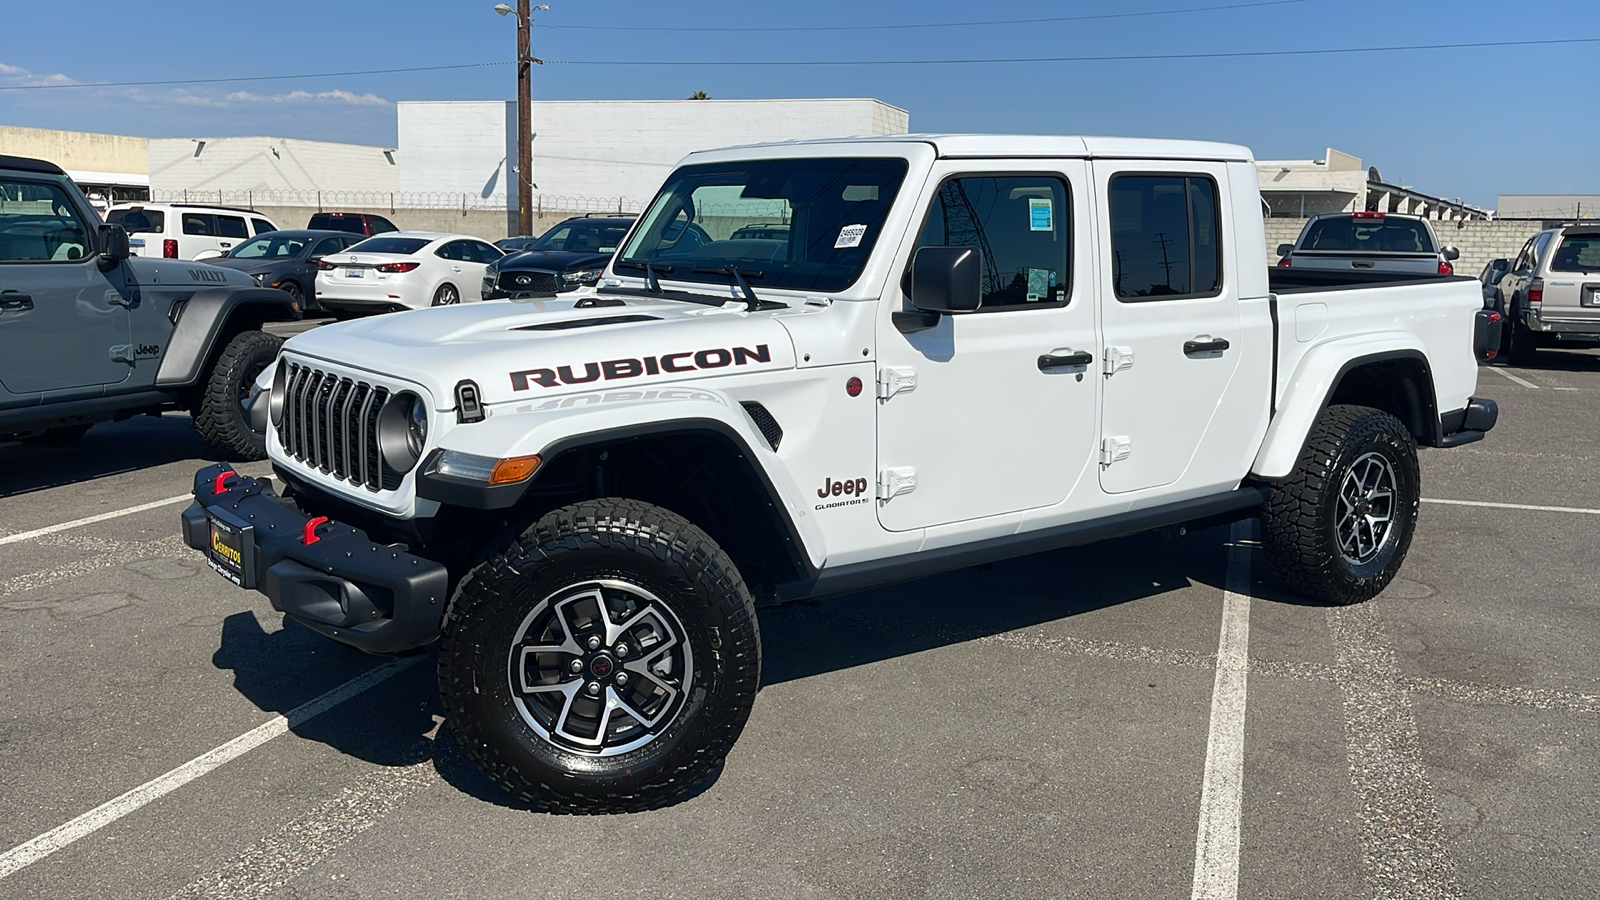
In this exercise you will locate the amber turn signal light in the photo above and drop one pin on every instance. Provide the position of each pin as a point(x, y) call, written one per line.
point(515, 469)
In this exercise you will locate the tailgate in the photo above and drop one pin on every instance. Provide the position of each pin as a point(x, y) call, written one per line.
point(1414, 263)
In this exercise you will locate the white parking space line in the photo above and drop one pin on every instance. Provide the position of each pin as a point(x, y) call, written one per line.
point(1490, 505)
point(90, 520)
point(1518, 379)
point(1216, 849)
point(62, 836)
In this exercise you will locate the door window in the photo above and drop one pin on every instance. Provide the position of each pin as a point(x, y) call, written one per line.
point(38, 223)
point(1541, 243)
point(455, 250)
point(199, 223)
point(231, 227)
point(1165, 237)
point(262, 226)
point(1023, 225)
point(326, 246)
point(139, 221)
point(483, 253)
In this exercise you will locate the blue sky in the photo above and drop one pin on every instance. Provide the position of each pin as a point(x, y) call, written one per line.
point(1467, 123)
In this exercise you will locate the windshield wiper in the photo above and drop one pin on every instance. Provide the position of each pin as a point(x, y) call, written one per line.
point(752, 303)
point(650, 270)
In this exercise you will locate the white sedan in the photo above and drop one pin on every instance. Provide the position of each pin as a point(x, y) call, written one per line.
point(404, 270)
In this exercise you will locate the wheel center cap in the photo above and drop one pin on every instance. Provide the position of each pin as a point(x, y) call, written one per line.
point(602, 665)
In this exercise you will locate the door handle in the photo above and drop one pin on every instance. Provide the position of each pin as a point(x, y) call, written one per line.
point(1048, 362)
point(15, 300)
point(1204, 344)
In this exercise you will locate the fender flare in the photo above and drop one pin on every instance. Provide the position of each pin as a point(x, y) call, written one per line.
point(1313, 384)
point(520, 430)
point(197, 336)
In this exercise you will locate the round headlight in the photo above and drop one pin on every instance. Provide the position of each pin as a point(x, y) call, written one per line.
point(417, 426)
point(275, 399)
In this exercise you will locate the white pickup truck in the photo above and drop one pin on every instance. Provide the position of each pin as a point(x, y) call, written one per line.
point(961, 349)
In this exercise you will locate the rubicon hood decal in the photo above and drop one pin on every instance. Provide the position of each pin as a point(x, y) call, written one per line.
point(618, 369)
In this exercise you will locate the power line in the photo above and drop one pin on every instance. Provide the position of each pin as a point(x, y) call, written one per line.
point(1249, 54)
point(1040, 21)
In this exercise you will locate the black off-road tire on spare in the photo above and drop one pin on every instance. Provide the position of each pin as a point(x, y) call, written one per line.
point(220, 417)
point(503, 678)
point(1353, 455)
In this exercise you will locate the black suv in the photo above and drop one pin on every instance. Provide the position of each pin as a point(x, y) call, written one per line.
point(569, 256)
point(89, 333)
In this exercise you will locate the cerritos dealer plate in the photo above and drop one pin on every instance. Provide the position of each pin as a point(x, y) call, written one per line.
point(231, 549)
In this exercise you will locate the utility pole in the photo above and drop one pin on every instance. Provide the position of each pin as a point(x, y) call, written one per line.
point(525, 63)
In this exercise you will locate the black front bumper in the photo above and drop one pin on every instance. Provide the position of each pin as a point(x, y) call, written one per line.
point(329, 577)
point(1464, 426)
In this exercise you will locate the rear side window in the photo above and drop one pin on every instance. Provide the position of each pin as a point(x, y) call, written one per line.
point(1023, 224)
point(231, 227)
point(483, 253)
point(327, 222)
point(398, 246)
point(1166, 239)
point(199, 223)
point(380, 225)
point(1346, 234)
point(1577, 253)
point(139, 221)
point(262, 226)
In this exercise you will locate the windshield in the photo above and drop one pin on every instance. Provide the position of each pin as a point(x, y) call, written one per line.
point(1577, 253)
point(135, 221)
point(834, 210)
point(1344, 234)
point(270, 248)
point(583, 237)
point(397, 246)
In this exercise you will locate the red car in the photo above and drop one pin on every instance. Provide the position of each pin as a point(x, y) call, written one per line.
point(353, 223)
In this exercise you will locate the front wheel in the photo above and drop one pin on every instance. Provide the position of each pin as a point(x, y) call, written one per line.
point(605, 660)
point(1338, 528)
point(222, 416)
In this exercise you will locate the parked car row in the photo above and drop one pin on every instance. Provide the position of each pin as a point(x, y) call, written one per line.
point(199, 232)
point(1550, 293)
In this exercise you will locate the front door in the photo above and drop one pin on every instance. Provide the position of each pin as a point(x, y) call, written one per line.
point(991, 412)
point(62, 325)
point(1170, 318)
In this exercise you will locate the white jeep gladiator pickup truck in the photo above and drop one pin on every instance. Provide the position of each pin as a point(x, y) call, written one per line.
point(960, 349)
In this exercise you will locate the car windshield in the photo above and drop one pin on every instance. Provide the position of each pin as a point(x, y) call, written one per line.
point(588, 237)
point(834, 210)
point(270, 247)
point(395, 245)
point(1577, 253)
point(1347, 234)
point(135, 221)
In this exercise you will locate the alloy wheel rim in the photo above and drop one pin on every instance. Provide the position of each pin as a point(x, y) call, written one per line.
point(1365, 521)
point(600, 667)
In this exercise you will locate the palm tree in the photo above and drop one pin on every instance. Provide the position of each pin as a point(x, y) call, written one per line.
point(699, 95)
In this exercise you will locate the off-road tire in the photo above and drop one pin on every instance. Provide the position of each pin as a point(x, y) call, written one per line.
point(58, 437)
point(620, 541)
point(220, 417)
point(1300, 525)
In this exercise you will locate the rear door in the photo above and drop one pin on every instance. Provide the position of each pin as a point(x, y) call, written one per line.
point(985, 413)
point(199, 233)
point(63, 326)
point(1572, 285)
point(1171, 322)
point(231, 231)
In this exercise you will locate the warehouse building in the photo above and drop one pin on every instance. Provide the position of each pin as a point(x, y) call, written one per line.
point(1338, 182)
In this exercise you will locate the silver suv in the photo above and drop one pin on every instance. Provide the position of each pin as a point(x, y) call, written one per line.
point(1552, 293)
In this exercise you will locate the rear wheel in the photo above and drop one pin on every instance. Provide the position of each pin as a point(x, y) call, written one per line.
point(1522, 343)
point(603, 661)
point(1338, 528)
point(446, 295)
point(222, 417)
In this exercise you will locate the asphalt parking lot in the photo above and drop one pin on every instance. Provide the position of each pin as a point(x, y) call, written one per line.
point(1055, 726)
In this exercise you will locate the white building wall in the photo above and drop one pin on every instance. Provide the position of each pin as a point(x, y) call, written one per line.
point(611, 151)
point(269, 166)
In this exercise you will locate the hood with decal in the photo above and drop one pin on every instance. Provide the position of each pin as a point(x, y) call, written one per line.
point(521, 350)
point(185, 272)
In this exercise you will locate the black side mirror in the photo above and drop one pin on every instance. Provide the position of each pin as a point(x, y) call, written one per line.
point(1452, 254)
point(1285, 249)
point(113, 244)
point(947, 279)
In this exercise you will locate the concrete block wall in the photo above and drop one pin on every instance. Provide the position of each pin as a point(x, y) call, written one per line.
point(1479, 241)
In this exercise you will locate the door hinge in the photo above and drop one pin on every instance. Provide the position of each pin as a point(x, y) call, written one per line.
point(901, 480)
point(894, 379)
point(1115, 449)
point(1117, 359)
point(122, 353)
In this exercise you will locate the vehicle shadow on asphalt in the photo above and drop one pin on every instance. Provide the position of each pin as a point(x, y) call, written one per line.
point(110, 448)
point(1559, 360)
point(397, 723)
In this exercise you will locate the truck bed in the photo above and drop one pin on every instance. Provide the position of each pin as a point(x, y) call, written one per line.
point(1289, 281)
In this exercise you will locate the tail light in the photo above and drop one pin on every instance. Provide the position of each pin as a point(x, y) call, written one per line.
point(1283, 263)
point(1366, 215)
point(398, 267)
point(1536, 291)
point(169, 248)
point(1445, 268)
point(325, 266)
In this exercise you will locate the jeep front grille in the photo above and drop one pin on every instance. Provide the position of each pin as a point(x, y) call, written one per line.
point(330, 423)
point(529, 282)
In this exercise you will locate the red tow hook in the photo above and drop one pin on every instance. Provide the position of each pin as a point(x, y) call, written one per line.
point(309, 536)
point(217, 486)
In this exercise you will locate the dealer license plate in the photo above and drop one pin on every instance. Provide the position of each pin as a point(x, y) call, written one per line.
point(231, 552)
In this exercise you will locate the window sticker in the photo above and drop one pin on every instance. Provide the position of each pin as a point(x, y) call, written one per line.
point(1039, 282)
point(1040, 214)
point(850, 236)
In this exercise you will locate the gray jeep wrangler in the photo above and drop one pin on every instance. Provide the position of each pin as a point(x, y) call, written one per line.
point(89, 333)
